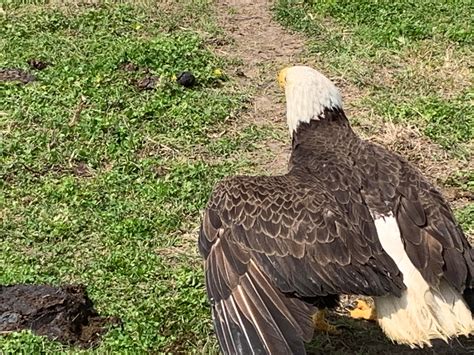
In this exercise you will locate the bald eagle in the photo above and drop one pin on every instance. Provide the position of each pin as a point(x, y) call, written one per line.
point(349, 217)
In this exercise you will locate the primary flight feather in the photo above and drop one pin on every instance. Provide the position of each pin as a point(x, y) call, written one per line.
point(349, 217)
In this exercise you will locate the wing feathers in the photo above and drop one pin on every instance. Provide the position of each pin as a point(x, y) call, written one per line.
point(256, 318)
point(259, 252)
point(433, 241)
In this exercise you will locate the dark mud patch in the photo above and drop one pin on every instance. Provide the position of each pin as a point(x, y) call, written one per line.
point(366, 337)
point(16, 75)
point(146, 81)
point(64, 314)
point(38, 64)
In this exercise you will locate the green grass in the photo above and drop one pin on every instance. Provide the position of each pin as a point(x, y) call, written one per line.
point(465, 217)
point(447, 122)
point(461, 179)
point(102, 184)
point(393, 23)
point(410, 58)
point(464, 180)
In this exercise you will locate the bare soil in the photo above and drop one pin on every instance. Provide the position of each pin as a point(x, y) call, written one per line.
point(38, 64)
point(366, 337)
point(16, 75)
point(65, 314)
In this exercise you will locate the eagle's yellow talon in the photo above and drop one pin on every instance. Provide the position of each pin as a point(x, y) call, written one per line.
point(320, 323)
point(363, 311)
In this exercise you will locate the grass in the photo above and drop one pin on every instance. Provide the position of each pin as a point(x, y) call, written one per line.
point(101, 183)
point(393, 24)
point(446, 122)
point(465, 217)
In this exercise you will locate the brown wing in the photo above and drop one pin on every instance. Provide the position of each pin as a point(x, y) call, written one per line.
point(270, 242)
point(433, 240)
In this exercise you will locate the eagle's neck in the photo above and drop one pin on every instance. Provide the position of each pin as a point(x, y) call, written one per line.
point(329, 129)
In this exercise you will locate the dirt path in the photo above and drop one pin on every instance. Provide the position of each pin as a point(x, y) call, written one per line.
point(263, 47)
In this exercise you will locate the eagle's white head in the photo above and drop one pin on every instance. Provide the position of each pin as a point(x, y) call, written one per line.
point(308, 93)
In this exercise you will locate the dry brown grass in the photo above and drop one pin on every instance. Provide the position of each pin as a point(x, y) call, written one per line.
point(425, 69)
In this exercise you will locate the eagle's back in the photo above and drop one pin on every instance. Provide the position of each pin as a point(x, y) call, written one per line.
point(388, 185)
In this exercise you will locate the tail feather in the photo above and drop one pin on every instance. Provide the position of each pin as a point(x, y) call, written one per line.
point(423, 314)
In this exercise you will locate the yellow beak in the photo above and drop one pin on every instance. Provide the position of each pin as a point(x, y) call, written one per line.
point(282, 78)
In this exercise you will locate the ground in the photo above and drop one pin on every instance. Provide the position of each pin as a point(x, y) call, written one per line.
point(65, 314)
point(107, 162)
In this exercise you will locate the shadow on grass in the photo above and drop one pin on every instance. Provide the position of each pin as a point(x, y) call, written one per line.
point(364, 337)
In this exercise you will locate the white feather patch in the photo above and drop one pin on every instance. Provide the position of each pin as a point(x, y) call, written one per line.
point(308, 93)
point(422, 312)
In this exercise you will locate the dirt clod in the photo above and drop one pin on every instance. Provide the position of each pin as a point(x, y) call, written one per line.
point(149, 82)
point(12, 74)
point(240, 73)
point(38, 64)
point(65, 314)
point(186, 79)
point(129, 66)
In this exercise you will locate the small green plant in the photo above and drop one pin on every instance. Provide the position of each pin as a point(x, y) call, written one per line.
point(461, 179)
point(465, 217)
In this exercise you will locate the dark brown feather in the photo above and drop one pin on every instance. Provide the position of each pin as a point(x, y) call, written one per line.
point(388, 184)
point(303, 249)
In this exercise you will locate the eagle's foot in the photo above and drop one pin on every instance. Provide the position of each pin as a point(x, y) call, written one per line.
point(363, 310)
point(320, 323)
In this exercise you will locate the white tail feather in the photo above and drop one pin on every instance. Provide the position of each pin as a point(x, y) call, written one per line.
point(422, 312)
